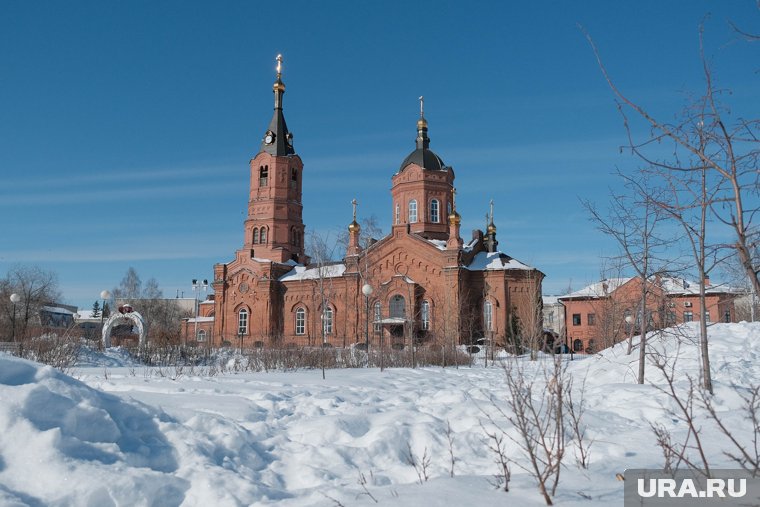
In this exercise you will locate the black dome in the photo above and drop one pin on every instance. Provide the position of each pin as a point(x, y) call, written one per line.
point(424, 158)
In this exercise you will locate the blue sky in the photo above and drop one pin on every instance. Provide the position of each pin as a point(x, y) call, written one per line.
point(126, 127)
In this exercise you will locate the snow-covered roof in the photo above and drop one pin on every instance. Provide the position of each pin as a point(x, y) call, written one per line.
point(201, 319)
point(57, 309)
point(598, 289)
point(440, 244)
point(550, 300)
point(671, 285)
point(495, 260)
point(314, 272)
point(207, 302)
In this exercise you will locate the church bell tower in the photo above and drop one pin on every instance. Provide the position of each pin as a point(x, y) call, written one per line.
point(274, 228)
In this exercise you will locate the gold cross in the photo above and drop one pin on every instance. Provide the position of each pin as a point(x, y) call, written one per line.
point(354, 203)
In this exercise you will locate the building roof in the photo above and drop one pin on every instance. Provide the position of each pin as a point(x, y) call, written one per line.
point(335, 270)
point(425, 158)
point(671, 285)
point(487, 261)
point(201, 319)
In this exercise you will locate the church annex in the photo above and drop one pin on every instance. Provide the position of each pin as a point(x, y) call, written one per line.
point(421, 282)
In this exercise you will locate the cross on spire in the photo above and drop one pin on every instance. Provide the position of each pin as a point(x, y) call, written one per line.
point(354, 203)
point(491, 210)
point(279, 66)
point(422, 106)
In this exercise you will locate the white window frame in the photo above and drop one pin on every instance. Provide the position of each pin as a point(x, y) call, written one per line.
point(327, 320)
point(487, 316)
point(300, 323)
point(413, 211)
point(435, 211)
point(243, 321)
point(425, 315)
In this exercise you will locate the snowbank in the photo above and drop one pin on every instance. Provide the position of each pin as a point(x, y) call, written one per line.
point(129, 436)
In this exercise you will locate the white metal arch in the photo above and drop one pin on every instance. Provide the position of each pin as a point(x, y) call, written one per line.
point(135, 317)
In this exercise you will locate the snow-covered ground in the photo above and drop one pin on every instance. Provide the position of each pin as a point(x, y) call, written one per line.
point(117, 433)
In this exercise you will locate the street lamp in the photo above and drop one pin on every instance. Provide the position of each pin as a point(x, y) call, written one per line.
point(197, 288)
point(15, 298)
point(367, 291)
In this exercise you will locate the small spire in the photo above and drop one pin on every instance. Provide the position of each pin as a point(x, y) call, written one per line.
point(423, 141)
point(354, 226)
point(277, 139)
point(454, 217)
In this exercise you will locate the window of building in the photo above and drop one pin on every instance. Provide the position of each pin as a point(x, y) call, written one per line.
point(670, 319)
point(577, 345)
point(727, 317)
point(201, 336)
point(293, 177)
point(255, 235)
point(688, 316)
point(398, 307)
point(425, 315)
point(412, 211)
point(263, 235)
point(243, 321)
point(263, 176)
point(576, 319)
point(591, 319)
point(327, 320)
point(435, 211)
point(300, 321)
point(487, 316)
point(398, 214)
point(378, 316)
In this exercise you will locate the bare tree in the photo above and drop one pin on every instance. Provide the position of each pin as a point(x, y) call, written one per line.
point(36, 288)
point(704, 143)
point(321, 251)
point(633, 220)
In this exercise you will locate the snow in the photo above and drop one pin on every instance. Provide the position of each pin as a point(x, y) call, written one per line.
point(57, 309)
point(125, 434)
point(494, 261)
point(201, 319)
point(314, 273)
point(670, 285)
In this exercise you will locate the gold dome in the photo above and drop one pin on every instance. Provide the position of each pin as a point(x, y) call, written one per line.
point(491, 228)
point(278, 86)
point(421, 124)
point(455, 219)
point(354, 227)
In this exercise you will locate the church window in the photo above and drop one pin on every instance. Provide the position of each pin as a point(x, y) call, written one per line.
point(300, 321)
point(398, 307)
point(327, 320)
point(263, 236)
point(263, 176)
point(412, 211)
point(243, 321)
point(201, 336)
point(425, 315)
point(255, 235)
point(294, 178)
point(378, 316)
point(487, 316)
point(434, 211)
point(398, 214)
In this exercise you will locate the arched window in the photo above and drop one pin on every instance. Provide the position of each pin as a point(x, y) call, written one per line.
point(435, 211)
point(300, 321)
point(263, 236)
point(425, 315)
point(263, 176)
point(327, 320)
point(255, 235)
point(412, 211)
point(577, 345)
point(398, 307)
point(201, 336)
point(293, 178)
point(378, 316)
point(487, 316)
point(398, 214)
point(243, 321)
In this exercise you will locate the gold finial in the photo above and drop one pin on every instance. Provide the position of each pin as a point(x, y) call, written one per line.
point(454, 218)
point(354, 226)
point(279, 66)
point(490, 228)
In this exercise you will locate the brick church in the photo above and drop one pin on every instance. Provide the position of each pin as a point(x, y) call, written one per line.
point(421, 282)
